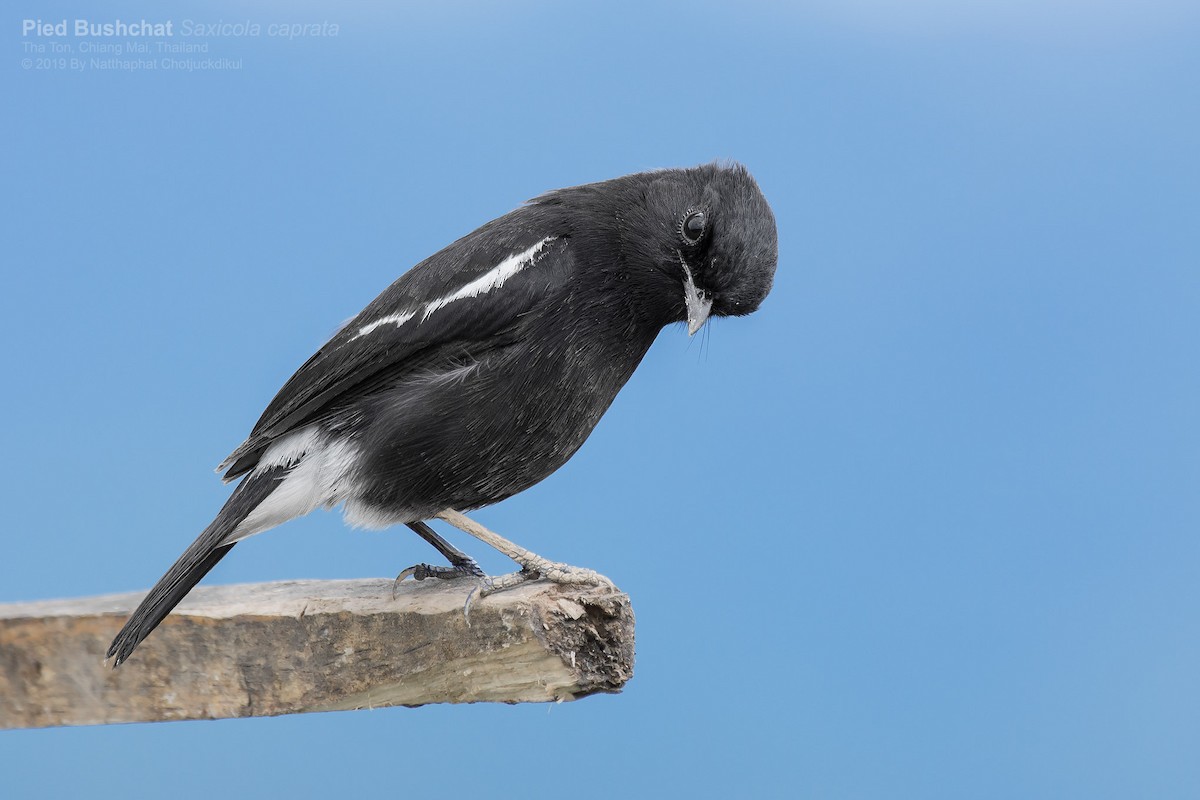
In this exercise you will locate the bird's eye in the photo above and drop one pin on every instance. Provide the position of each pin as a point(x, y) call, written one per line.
point(693, 227)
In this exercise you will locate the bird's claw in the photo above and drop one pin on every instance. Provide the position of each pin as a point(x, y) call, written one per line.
point(557, 572)
point(535, 568)
point(464, 569)
point(489, 585)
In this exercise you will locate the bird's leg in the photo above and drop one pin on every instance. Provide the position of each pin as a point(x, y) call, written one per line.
point(533, 566)
point(461, 564)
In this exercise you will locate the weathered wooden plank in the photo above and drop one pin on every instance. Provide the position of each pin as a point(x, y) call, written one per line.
point(298, 646)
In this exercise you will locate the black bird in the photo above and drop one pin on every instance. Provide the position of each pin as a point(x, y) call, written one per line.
point(481, 370)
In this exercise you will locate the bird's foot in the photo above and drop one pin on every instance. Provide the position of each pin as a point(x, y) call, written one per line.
point(462, 568)
point(534, 567)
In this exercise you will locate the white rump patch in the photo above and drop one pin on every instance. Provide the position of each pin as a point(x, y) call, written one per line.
point(290, 449)
point(321, 476)
point(494, 278)
point(361, 515)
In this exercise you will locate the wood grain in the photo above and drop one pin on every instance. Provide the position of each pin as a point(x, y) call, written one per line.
point(299, 646)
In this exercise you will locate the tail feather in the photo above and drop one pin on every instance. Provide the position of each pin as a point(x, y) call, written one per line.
point(200, 557)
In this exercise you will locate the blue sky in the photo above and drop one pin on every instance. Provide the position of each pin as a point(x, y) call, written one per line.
point(925, 526)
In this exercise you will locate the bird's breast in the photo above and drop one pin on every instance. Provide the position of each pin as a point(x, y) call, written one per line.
point(486, 428)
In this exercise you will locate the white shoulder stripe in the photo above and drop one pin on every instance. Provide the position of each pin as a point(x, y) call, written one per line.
point(393, 319)
point(492, 279)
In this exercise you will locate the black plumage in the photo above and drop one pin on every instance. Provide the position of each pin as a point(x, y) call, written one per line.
point(480, 371)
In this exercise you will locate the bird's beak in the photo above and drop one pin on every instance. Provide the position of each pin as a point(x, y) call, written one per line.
point(698, 303)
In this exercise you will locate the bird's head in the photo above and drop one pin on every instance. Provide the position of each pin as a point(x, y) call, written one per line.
point(714, 240)
point(690, 243)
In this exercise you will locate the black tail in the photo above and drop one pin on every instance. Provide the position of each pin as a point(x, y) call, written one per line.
point(200, 557)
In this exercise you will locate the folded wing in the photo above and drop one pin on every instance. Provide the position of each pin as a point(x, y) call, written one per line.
point(469, 292)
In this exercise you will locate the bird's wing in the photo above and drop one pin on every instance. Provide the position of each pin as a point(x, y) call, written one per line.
point(467, 294)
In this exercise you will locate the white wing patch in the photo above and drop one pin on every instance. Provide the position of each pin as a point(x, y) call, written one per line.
point(391, 319)
point(494, 278)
